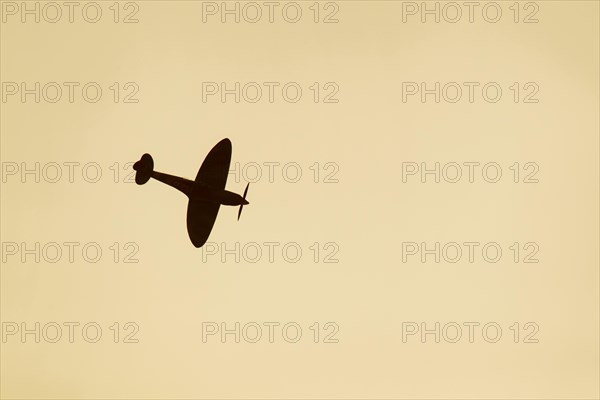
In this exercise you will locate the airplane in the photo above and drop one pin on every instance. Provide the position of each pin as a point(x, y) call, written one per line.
point(206, 193)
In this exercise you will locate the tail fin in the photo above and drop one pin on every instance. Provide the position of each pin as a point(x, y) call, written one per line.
point(242, 206)
point(144, 168)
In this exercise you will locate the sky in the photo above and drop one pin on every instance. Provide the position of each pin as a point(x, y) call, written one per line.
point(423, 217)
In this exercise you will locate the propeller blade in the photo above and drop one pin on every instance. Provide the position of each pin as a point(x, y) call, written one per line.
point(242, 206)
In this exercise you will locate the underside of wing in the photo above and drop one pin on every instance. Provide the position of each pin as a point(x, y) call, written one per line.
point(201, 216)
point(215, 168)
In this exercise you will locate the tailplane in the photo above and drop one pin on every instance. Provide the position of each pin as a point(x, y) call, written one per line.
point(144, 168)
point(242, 206)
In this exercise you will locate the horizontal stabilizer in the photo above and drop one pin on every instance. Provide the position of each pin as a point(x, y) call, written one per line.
point(144, 168)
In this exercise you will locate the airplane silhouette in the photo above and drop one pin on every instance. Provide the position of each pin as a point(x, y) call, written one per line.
point(206, 193)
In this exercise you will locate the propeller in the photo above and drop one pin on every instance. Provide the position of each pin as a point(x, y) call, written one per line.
point(242, 206)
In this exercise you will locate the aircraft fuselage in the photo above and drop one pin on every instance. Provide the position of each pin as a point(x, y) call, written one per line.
point(199, 190)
